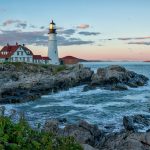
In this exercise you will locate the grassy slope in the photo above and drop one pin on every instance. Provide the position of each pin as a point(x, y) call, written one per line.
point(33, 68)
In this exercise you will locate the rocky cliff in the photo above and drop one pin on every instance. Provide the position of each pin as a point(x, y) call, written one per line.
point(21, 82)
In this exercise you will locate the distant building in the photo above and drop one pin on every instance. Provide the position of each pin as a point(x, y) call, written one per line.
point(20, 53)
point(71, 60)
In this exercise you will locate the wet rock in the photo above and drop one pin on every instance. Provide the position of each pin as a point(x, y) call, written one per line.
point(80, 134)
point(83, 132)
point(93, 129)
point(128, 123)
point(87, 88)
point(117, 78)
point(119, 87)
point(51, 126)
point(142, 119)
point(2, 110)
point(125, 141)
point(62, 120)
point(136, 122)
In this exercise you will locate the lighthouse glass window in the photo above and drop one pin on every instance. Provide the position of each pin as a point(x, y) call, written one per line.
point(52, 26)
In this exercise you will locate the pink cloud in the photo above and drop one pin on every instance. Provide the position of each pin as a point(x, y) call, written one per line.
point(83, 26)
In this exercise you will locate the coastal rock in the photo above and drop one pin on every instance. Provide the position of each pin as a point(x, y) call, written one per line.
point(83, 132)
point(136, 122)
point(51, 126)
point(119, 87)
point(126, 141)
point(117, 78)
point(128, 123)
point(29, 81)
point(2, 110)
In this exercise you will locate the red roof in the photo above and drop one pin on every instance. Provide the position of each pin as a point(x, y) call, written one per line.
point(37, 57)
point(10, 49)
point(46, 58)
point(40, 57)
point(69, 57)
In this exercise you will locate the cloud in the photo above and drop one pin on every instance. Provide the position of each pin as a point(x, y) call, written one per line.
point(140, 43)
point(36, 38)
point(9, 22)
point(86, 33)
point(67, 32)
point(32, 26)
point(19, 23)
point(83, 26)
point(72, 41)
point(124, 39)
point(135, 38)
point(23, 37)
point(42, 27)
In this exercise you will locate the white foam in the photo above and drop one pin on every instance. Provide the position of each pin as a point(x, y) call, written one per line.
point(71, 112)
point(71, 91)
point(137, 97)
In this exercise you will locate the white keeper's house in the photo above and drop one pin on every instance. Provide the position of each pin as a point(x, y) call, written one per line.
point(20, 53)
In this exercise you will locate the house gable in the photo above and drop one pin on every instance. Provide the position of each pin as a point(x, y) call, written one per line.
point(22, 52)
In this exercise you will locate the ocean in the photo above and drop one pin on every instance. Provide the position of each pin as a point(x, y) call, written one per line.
point(102, 107)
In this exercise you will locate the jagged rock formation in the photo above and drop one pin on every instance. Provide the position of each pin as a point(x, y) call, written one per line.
point(24, 82)
point(116, 78)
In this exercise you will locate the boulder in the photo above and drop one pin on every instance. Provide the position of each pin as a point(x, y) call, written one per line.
point(128, 123)
point(83, 132)
point(51, 126)
point(125, 141)
point(136, 122)
point(117, 78)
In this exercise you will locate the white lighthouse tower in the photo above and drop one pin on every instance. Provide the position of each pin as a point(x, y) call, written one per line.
point(52, 44)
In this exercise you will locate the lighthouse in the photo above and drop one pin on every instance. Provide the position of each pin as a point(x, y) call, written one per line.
point(52, 44)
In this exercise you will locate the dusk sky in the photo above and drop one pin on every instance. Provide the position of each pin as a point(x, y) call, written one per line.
point(89, 29)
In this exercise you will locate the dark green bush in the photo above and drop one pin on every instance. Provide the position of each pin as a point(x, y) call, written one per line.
point(16, 136)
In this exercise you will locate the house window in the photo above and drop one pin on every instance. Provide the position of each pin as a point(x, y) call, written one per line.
point(16, 58)
point(17, 53)
point(21, 53)
point(28, 60)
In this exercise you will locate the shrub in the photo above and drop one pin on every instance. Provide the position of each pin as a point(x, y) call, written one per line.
point(16, 136)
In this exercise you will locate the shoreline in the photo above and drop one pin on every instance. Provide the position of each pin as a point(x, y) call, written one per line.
point(30, 81)
point(22, 82)
point(90, 136)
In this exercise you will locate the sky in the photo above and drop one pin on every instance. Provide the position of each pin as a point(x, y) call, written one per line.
point(88, 29)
